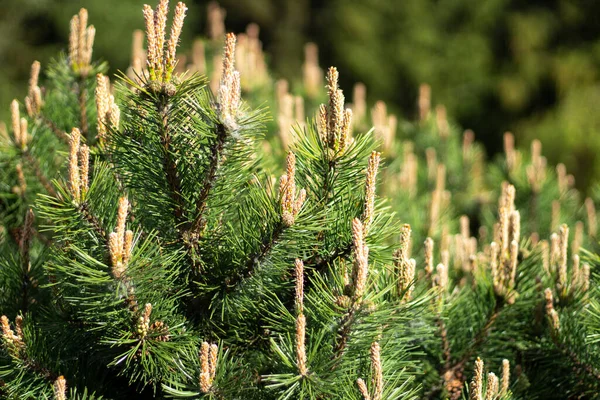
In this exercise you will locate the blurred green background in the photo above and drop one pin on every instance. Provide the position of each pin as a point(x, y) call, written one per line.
point(526, 66)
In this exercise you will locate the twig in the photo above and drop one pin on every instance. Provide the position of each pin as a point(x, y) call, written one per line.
point(62, 135)
point(33, 163)
point(209, 182)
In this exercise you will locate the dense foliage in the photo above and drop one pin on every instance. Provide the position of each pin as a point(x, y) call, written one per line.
point(148, 249)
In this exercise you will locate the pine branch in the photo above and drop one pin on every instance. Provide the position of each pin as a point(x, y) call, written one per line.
point(343, 333)
point(453, 375)
point(579, 365)
point(93, 221)
point(33, 163)
point(215, 157)
point(446, 353)
point(254, 260)
point(59, 133)
point(169, 165)
point(319, 262)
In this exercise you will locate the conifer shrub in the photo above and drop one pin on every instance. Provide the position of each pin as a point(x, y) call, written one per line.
point(164, 237)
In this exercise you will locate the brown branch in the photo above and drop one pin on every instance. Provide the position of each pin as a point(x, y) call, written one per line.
point(216, 151)
point(344, 331)
point(446, 355)
point(33, 163)
point(255, 259)
point(93, 221)
point(59, 133)
point(579, 365)
point(169, 164)
point(453, 375)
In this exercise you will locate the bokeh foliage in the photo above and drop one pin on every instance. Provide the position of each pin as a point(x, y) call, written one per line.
point(530, 67)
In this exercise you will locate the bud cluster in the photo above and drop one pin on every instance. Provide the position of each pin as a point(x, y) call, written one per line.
point(13, 340)
point(335, 122)
point(504, 251)
point(33, 101)
point(229, 91)
point(81, 41)
point(120, 241)
point(161, 58)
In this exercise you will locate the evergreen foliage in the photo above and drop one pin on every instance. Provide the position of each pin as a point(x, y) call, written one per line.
point(148, 251)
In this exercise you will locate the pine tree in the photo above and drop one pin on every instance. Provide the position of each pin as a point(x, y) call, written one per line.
point(149, 251)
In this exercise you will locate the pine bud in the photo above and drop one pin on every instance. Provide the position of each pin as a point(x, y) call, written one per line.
point(476, 392)
point(212, 360)
point(121, 219)
point(216, 21)
point(102, 104)
point(424, 101)
point(575, 273)
point(505, 380)
point(128, 244)
point(577, 237)
point(21, 179)
point(405, 241)
point(115, 255)
point(441, 120)
point(492, 387)
point(299, 285)
point(496, 277)
point(312, 73)
point(514, 256)
point(562, 261)
point(362, 387)
point(143, 326)
point(33, 101)
point(60, 388)
point(369, 208)
point(384, 125)
point(515, 226)
point(555, 215)
point(591, 216)
point(442, 276)
point(176, 28)
point(84, 166)
point(359, 102)
point(585, 277)
point(153, 57)
point(16, 123)
point(377, 382)
point(361, 260)
point(229, 87)
point(428, 256)
point(551, 312)
point(208, 366)
point(468, 139)
point(431, 157)
point(290, 203)
point(74, 179)
point(300, 344)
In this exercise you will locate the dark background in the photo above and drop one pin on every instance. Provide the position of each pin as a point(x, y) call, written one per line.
point(526, 66)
